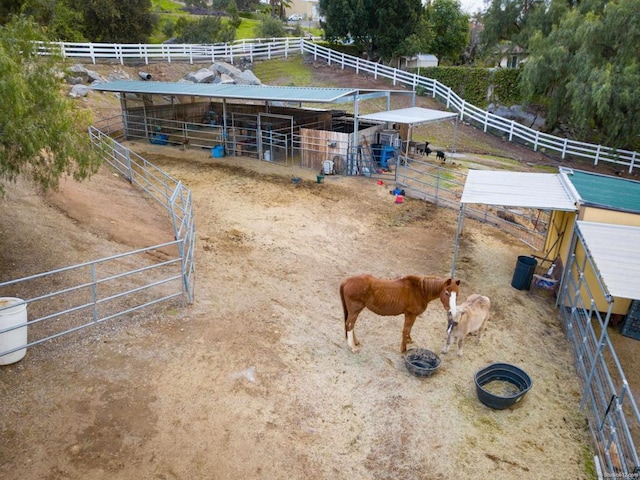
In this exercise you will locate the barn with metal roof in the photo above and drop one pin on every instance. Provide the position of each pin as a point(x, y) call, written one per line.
point(273, 123)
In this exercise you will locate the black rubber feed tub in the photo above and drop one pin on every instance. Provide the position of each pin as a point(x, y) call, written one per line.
point(421, 362)
point(501, 385)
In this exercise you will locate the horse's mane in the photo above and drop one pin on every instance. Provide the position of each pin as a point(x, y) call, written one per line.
point(433, 284)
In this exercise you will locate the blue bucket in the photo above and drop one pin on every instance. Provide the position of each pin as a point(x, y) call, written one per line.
point(158, 139)
point(218, 151)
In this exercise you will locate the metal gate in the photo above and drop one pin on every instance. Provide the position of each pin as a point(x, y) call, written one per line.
point(612, 413)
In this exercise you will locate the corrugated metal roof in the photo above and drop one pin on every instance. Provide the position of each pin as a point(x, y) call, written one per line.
point(614, 249)
point(411, 116)
point(517, 189)
point(239, 92)
point(605, 191)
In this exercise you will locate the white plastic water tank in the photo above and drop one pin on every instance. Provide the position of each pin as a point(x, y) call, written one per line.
point(13, 312)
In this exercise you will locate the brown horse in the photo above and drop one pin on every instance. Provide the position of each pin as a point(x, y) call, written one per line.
point(409, 295)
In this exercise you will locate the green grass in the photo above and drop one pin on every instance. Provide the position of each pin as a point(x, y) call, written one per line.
point(166, 6)
point(589, 465)
point(292, 69)
point(246, 28)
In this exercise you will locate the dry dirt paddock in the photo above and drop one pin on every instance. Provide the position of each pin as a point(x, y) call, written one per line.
point(255, 380)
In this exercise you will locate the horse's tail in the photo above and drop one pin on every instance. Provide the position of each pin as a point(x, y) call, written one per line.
point(344, 308)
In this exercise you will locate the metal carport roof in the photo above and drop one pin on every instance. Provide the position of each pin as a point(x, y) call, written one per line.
point(244, 92)
point(545, 191)
point(614, 249)
point(518, 189)
point(413, 116)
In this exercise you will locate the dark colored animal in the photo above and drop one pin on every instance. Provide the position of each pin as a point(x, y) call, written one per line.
point(424, 151)
point(470, 317)
point(440, 156)
point(409, 295)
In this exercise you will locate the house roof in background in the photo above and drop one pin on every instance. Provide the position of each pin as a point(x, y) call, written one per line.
point(427, 56)
point(605, 191)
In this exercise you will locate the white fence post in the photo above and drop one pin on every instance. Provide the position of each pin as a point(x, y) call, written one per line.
point(595, 162)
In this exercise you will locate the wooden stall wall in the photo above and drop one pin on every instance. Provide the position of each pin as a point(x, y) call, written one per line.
point(319, 145)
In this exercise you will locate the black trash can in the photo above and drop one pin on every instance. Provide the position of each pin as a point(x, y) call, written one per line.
point(525, 268)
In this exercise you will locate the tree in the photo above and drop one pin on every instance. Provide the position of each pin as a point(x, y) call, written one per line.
point(270, 27)
point(234, 14)
point(116, 21)
point(279, 7)
point(587, 70)
point(8, 8)
point(509, 25)
point(383, 29)
point(42, 135)
point(451, 30)
point(248, 5)
point(62, 22)
point(209, 29)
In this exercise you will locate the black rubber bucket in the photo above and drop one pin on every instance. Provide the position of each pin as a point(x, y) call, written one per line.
point(518, 381)
point(525, 268)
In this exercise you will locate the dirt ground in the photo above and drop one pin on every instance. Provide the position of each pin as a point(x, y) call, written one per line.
point(255, 380)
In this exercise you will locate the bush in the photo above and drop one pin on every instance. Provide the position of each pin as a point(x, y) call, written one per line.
point(270, 27)
point(475, 84)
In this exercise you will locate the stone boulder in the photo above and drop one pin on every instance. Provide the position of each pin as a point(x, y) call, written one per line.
point(518, 114)
point(226, 68)
point(77, 74)
point(248, 78)
point(78, 91)
point(204, 75)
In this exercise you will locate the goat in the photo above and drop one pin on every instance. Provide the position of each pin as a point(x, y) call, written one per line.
point(425, 151)
point(470, 317)
point(440, 155)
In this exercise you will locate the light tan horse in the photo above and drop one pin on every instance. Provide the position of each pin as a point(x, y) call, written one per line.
point(409, 295)
point(471, 316)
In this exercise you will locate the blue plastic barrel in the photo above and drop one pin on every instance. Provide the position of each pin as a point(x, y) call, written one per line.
point(387, 154)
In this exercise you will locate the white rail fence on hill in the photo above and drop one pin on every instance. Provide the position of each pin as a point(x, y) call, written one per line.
point(253, 49)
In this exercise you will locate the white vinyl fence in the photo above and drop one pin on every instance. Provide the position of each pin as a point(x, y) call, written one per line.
point(267, 48)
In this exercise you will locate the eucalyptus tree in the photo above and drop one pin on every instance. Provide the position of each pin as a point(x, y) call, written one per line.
point(587, 70)
point(42, 135)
